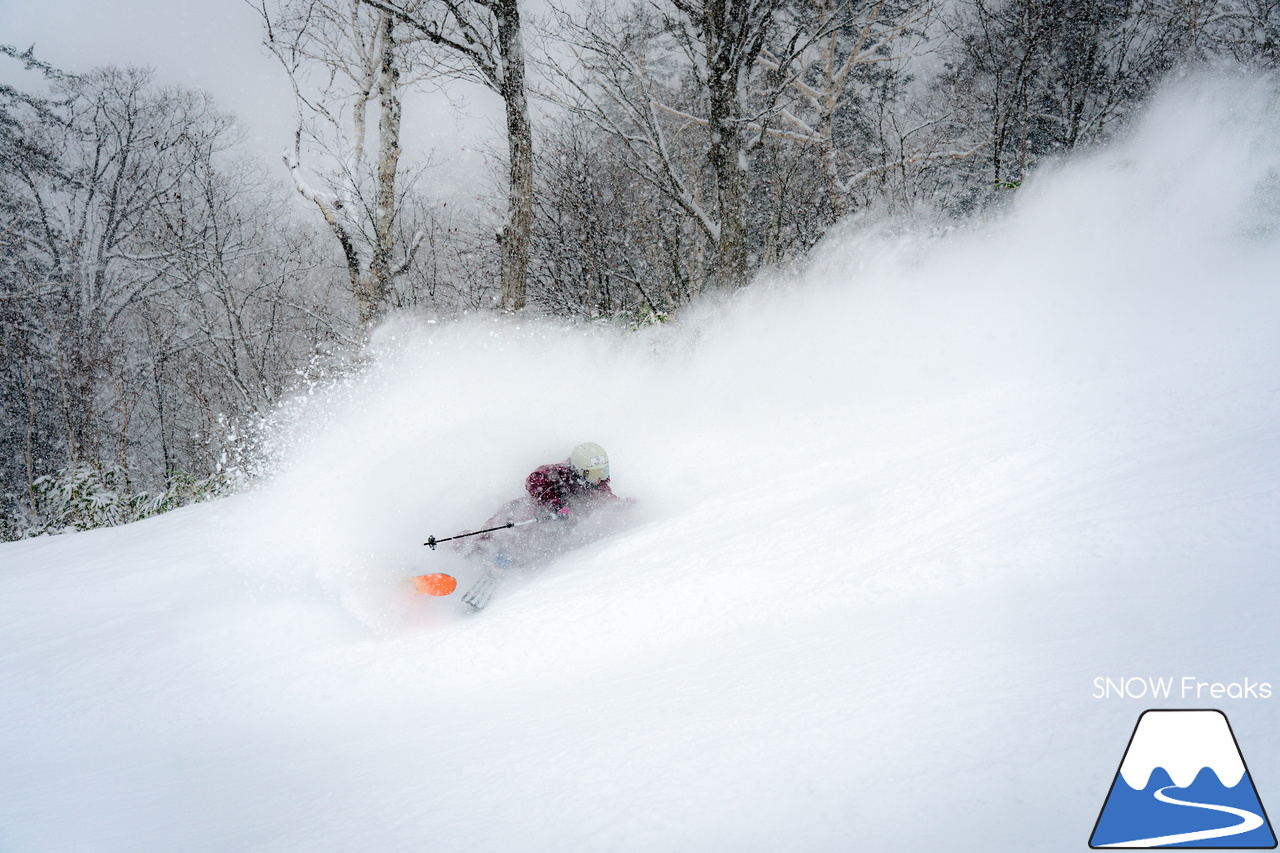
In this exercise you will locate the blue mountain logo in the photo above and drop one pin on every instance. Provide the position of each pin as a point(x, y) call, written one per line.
point(1183, 783)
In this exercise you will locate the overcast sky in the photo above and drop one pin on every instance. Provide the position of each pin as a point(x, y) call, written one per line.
point(216, 45)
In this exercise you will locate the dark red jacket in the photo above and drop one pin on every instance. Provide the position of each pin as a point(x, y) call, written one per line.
point(557, 486)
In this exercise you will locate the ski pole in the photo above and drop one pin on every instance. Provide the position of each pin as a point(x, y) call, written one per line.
point(432, 541)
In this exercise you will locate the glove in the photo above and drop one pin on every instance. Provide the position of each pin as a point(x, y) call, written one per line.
point(564, 513)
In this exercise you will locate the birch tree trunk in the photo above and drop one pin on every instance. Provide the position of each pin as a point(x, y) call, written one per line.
point(384, 214)
point(358, 49)
point(484, 39)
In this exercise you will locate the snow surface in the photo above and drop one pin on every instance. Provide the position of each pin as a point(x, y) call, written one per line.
point(895, 515)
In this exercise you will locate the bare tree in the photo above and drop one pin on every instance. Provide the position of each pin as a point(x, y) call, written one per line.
point(121, 148)
point(845, 95)
point(154, 298)
point(604, 244)
point(248, 303)
point(483, 42)
point(341, 55)
point(658, 70)
point(28, 422)
point(1046, 76)
point(1241, 31)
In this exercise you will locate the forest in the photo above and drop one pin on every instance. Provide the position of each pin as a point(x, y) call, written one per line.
point(162, 291)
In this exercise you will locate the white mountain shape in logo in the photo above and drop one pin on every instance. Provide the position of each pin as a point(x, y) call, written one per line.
point(1183, 743)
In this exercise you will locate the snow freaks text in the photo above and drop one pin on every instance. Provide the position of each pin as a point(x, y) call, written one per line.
point(1186, 687)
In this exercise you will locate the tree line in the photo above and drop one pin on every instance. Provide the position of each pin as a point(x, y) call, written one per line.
point(160, 290)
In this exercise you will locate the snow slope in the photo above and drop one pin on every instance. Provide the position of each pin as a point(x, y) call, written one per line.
point(895, 515)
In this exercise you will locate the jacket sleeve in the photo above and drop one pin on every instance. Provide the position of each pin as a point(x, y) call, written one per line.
point(544, 489)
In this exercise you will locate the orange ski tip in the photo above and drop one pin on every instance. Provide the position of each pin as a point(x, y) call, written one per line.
point(439, 584)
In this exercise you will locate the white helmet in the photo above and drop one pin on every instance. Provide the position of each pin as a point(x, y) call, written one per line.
point(590, 462)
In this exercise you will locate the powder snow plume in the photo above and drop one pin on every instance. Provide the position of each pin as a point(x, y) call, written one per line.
point(1143, 271)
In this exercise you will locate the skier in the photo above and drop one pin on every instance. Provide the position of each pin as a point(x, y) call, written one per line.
point(565, 494)
point(570, 490)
